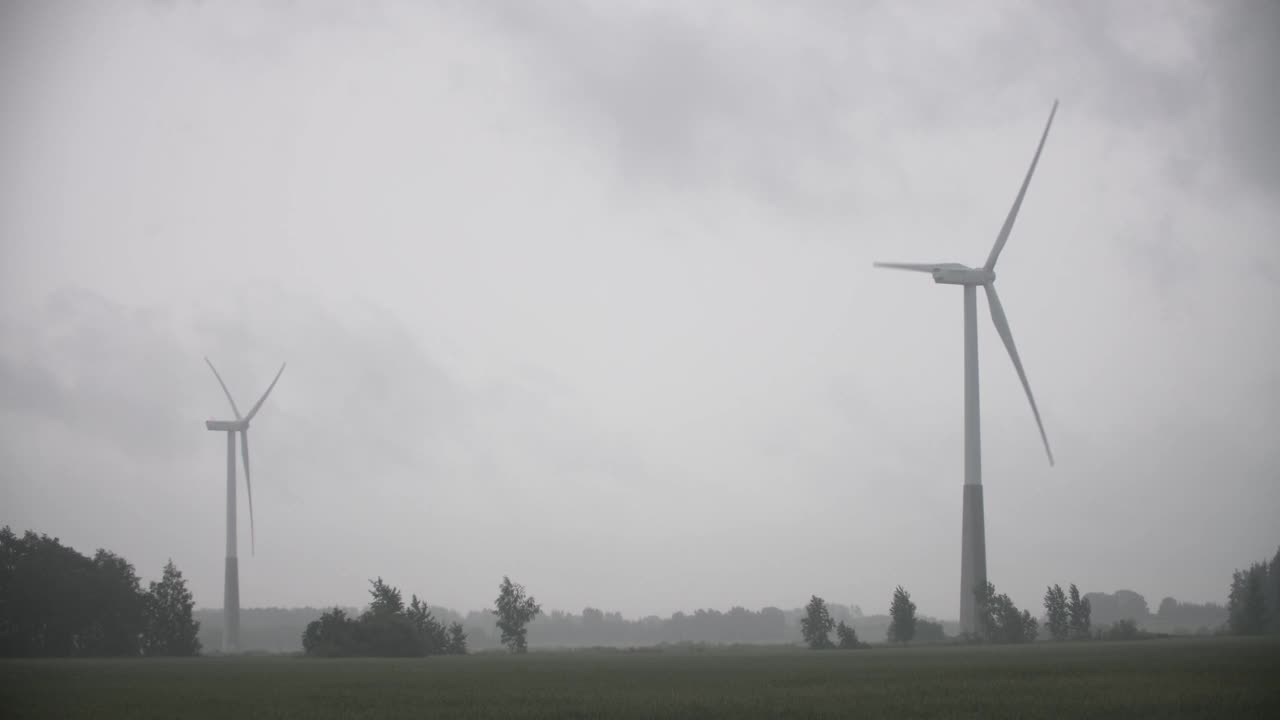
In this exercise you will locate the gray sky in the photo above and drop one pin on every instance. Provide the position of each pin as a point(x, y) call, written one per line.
point(582, 293)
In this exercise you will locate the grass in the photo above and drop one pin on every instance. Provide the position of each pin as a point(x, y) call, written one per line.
point(1202, 677)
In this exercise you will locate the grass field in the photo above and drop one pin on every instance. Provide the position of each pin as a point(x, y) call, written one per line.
point(1206, 677)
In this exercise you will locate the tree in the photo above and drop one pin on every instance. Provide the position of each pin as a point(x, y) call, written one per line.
point(170, 630)
point(47, 602)
point(999, 619)
point(1030, 627)
point(847, 636)
point(1056, 617)
point(1126, 629)
point(457, 644)
point(1247, 602)
point(333, 635)
point(816, 624)
point(1079, 612)
point(929, 631)
point(988, 628)
point(386, 599)
point(1273, 594)
point(119, 619)
point(1120, 605)
point(903, 626)
point(514, 610)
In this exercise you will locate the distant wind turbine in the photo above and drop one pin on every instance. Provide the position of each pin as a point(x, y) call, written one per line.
point(973, 551)
point(231, 583)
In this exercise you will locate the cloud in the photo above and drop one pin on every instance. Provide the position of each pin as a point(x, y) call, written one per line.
point(97, 368)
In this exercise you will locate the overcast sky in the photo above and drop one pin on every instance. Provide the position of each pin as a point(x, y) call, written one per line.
point(582, 293)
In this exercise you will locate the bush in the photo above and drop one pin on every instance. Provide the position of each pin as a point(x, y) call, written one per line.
point(386, 629)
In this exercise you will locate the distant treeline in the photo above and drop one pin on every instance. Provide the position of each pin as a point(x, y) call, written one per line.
point(280, 629)
point(55, 601)
point(1173, 617)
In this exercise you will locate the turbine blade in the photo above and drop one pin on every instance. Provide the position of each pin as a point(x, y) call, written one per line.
point(914, 267)
point(1017, 203)
point(262, 399)
point(248, 483)
point(1002, 327)
point(234, 409)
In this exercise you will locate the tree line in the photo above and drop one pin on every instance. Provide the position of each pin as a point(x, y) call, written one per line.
point(999, 620)
point(390, 628)
point(56, 602)
point(904, 625)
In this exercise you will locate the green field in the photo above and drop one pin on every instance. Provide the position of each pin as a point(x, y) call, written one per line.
point(1208, 677)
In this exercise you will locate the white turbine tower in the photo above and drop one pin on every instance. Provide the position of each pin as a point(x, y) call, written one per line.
point(973, 551)
point(231, 586)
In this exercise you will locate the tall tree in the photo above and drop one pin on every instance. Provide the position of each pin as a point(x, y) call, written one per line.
point(120, 614)
point(1272, 594)
point(903, 626)
point(170, 629)
point(386, 599)
point(385, 630)
point(816, 624)
point(432, 634)
point(514, 610)
point(847, 636)
point(1000, 620)
point(457, 644)
point(1247, 603)
point(1056, 617)
point(1079, 612)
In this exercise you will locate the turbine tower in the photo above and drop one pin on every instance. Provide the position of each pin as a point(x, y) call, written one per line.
point(973, 550)
point(231, 582)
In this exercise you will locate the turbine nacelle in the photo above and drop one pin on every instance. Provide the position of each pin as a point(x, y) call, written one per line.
point(963, 276)
point(227, 425)
point(947, 273)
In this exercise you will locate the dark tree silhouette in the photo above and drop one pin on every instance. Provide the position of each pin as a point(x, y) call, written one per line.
point(1079, 614)
point(1247, 603)
point(170, 629)
point(903, 612)
point(816, 625)
point(386, 629)
point(514, 610)
point(847, 637)
point(1056, 617)
point(1000, 620)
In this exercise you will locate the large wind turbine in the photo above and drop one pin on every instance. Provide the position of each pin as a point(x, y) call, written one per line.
point(973, 551)
point(231, 583)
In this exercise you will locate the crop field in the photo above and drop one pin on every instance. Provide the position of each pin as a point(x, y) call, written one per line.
point(1206, 677)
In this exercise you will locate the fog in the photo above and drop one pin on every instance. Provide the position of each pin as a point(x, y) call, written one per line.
point(581, 293)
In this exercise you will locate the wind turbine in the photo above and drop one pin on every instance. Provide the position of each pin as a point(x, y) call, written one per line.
point(231, 582)
point(973, 551)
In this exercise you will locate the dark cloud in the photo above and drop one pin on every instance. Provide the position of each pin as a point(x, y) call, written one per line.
point(700, 96)
point(100, 369)
point(1243, 63)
